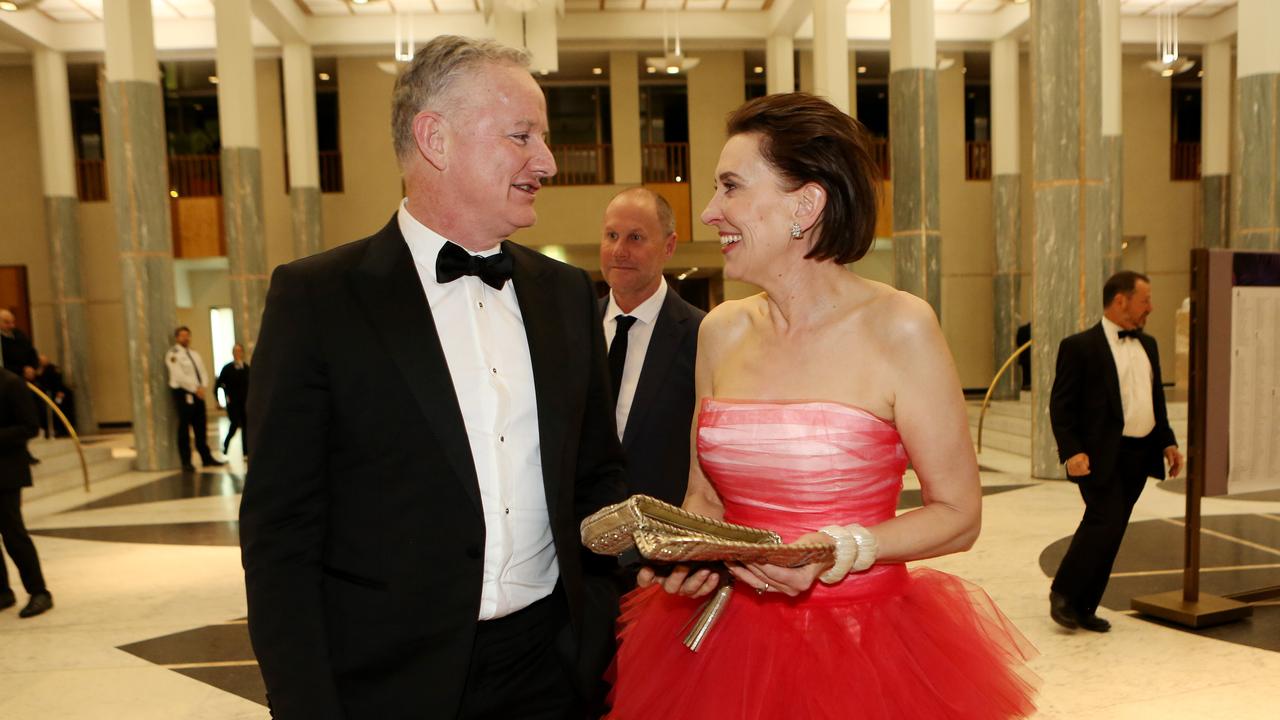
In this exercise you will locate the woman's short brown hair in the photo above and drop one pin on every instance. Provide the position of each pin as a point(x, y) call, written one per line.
point(807, 139)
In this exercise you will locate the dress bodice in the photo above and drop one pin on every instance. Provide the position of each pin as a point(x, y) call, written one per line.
point(794, 467)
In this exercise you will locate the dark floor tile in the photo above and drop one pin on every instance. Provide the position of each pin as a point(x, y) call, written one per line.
point(208, 644)
point(1178, 485)
point(226, 532)
point(1260, 630)
point(1255, 528)
point(911, 498)
point(242, 680)
point(178, 486)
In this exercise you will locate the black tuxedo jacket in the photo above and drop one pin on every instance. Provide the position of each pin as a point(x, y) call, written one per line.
point(1085, 408)
point(361, 525)
point(656, 438)
point(19, 422)
point(235, 383)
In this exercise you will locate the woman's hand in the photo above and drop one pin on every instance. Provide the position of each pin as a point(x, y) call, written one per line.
point(681, 581)
point(789, 581)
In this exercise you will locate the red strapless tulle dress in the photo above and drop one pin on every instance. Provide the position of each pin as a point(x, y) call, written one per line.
point(892, 642)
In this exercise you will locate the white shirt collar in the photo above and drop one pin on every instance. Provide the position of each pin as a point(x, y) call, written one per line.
point(425, 243)
point(647, 311)
point(1111, 329)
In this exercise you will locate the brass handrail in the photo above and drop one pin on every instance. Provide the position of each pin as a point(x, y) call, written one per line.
point(84, 467)
point(982, 415)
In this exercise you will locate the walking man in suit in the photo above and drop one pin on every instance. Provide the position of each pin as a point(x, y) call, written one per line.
point(1109, 419)
point(18, 424)
point(188, 380)
point(234, 382)
point(409, 526)
point(653, 342)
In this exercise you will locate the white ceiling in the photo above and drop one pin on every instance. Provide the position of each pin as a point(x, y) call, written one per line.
point(91, 10)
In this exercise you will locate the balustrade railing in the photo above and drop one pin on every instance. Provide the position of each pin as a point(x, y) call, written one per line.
point(195, 175)
point(665, 162)
point(977, 160)
point(91, 180)
point(1184, 161)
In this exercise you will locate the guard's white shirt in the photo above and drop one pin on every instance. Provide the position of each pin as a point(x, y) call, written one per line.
point(638, 337)
point(482, 333)
point(1134, 370)
point(186, 369)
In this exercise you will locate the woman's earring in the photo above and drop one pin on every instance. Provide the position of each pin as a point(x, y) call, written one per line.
point(796, 231)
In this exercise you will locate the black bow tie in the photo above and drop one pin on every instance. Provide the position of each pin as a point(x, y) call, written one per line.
point(453, 262)
point(1130, 334)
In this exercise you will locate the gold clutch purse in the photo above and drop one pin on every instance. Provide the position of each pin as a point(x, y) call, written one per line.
point(663, 533)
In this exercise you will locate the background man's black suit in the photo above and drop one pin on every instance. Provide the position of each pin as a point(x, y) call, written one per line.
point(18, 424)
point(1088, 417)
point(656, 438)
point(361, 526)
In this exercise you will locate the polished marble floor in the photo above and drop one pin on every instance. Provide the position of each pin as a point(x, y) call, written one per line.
point(149, 611)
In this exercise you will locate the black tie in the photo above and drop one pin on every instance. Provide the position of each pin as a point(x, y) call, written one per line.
point(618, 352)
point(194, 366)
point(1130, 334)
point(453, 262)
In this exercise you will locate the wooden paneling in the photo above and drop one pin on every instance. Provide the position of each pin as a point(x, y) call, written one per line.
point(197, 227)
point(14, 297)
point(678, 195)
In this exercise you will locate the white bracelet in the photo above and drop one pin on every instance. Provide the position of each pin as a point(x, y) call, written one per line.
point(868, 547)
point(846, 553)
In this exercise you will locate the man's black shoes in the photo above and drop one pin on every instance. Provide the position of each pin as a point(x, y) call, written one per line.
point(1061, 612)
point(39, 603)
point(7, 599)
point(1093, 623)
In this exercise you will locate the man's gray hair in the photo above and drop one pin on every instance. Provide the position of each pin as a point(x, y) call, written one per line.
point(432, 73)
point(666, 216)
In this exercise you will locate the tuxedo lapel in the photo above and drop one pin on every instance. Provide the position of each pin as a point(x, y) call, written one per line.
point(663, 346)
point(386, 283)
point(1107, 369)
point(544, 331)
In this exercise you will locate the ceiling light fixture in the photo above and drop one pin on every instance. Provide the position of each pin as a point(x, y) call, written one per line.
point(8, 6)
point(673, 62)
point(16, 5)
point(758, 69)
point(213, 79)
point(862, 69)
point(1168, 61)
point(324, 77)
point(597, 71)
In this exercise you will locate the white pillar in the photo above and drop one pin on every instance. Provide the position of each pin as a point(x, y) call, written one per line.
point(1215, 109)
point(780, 64)
point(1111, 84)
point(831, 52)
point(1111, 66)
point(237, 99)
point(53, 110)
point(1005, 121)
point(1257, 52)
point(1256, 187)
point(911, 39)
point(300, 116)
point(624, 114)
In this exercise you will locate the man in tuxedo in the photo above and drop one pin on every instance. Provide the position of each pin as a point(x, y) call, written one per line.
point(653, 342)
point(18, 424)
point(409, 526)
point(17, 353)
point(233, 380)
point(1109, 419)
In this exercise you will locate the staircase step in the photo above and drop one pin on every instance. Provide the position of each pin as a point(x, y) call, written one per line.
point(73, 479)
point(64, 461)
point(1008, 442)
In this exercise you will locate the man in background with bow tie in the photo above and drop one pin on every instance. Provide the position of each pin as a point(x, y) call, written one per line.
point(416, 554)
point(1109, 419)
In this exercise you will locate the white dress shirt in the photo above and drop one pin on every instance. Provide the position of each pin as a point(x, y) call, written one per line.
point(646, 315)
point(1134, 370)
point(482, 333)
point(186, 369)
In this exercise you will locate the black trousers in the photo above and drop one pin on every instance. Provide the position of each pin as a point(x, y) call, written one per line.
point(1109, 498)
point(235, 414)
point(18, 543)
point(191, 419)
point(519, 670)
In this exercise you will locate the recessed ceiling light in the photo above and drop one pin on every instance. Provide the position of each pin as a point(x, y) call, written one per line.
point(673, 70)
point(759, 69)
point(213, 79)
point(324, 77)
point(597, 71)
point(359, 2)
point(173, 193)
point(9, 6)
point(650, 70)
point(862, 69)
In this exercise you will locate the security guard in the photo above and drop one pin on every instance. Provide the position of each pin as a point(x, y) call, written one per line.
point(188, 379)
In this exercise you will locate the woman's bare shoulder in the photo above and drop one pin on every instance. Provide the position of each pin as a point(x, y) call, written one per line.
point(729, 319)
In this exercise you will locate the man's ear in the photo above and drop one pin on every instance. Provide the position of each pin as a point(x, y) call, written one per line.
point(430, 134)
point(811, 200)
point(669, 245)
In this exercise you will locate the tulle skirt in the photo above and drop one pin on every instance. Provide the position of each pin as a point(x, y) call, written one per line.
point(896, 646)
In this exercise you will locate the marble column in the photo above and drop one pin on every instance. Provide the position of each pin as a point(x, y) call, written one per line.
point(1215, 146)
point(1070, 197)
point(913, 131)
point(304, 157)
point(780, 64)
point(241, 165)
point(831, 52)
point(1112, 137)
point(624, 117)
point(1006, 208)
point(61, 208)
point(136, 165)
point(1256, 195)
